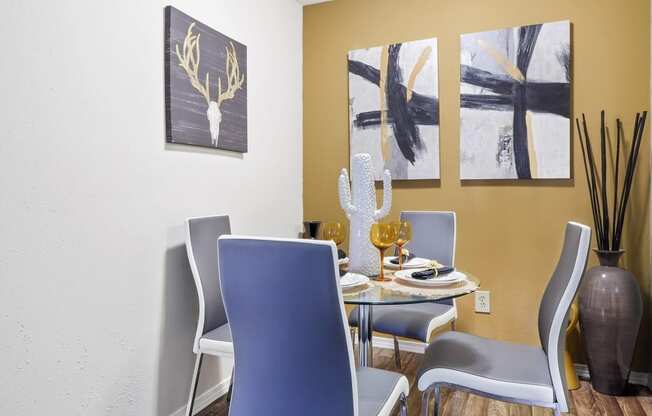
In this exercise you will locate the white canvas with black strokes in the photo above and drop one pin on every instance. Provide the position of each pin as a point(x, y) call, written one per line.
point(205, 85)
point(394, 109)
point(515, 103)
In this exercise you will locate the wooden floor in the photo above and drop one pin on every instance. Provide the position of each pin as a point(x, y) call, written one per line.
point(586, 401)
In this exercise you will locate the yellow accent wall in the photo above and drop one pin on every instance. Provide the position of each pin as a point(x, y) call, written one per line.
point(509, 232)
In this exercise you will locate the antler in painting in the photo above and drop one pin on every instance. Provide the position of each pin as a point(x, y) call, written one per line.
point(189, 56)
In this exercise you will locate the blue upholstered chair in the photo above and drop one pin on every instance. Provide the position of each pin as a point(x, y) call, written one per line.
point(293, 353)
point(213, 336)
point(433, 237)
point(513, 372)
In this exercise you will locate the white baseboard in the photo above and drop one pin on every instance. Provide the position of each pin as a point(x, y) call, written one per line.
point(206, 398)
point(404, 345)
point(582, 370)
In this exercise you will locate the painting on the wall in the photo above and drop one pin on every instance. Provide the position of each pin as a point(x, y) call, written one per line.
point(205, 85)
point(515, 103)
point(394, 109)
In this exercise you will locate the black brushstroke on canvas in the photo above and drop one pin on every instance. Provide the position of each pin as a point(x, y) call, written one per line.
point(542, 97)
point(527, 39)
point(403, 115)
point(423, 108)
point(519, 96)
point(403, 124)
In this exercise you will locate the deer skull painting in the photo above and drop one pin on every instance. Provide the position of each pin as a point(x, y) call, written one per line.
point(188, 56)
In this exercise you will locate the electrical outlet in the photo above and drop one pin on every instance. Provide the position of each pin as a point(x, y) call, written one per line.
point(483, 301)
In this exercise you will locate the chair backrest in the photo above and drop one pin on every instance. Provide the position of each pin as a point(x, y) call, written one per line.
point(433, 237)
point(556, 302)
point(291, 342)
point(201, 246)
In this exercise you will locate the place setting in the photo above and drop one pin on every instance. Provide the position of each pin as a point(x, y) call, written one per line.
point(407, 268)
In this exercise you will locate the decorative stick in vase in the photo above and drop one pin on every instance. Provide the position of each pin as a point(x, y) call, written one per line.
point(358, 200)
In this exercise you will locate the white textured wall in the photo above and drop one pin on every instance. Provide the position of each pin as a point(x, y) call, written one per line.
point(97, 305)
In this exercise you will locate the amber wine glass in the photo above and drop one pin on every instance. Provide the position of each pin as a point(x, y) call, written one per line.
point(334, 231)
point(382, 236)
point(403, 235)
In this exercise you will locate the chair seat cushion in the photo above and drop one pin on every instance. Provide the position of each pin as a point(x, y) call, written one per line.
point(485, 365)
point(217, 341)
point(415, 321)
point(379, 390)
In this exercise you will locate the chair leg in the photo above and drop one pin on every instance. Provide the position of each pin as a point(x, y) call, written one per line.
point(403, 405)
point(193, 384)
point(352, 329)
point(397, 353)
point(228, 394)
point(556, 411)
point(425, 401)
point(435, 410)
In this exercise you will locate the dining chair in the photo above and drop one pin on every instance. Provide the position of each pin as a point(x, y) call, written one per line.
point(433, 237)
point(213, 335)
point(513, 372)
point(293, 353)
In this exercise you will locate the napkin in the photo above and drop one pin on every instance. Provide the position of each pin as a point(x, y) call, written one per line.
point(407, 257)
point(430, 273)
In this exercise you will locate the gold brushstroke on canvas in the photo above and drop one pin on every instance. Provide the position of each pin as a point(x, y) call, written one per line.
point(532, 154)
point(500, 58)
point(421, 62)
point(382, 87)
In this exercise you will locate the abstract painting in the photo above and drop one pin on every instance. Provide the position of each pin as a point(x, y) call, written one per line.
point(515, 103)
point(394, 110)
point(205, 85)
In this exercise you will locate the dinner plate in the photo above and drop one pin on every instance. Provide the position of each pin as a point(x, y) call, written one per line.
point(350, 280)
point(445, 280)
point(413, 263)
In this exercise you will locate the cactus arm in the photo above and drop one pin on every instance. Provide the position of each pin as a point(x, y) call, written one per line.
point(345, 194)
point(387, 197)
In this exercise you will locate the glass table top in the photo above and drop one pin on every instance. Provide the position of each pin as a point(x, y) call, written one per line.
point(395, 292)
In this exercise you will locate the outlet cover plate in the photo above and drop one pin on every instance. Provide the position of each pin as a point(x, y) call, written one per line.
point(483, 301)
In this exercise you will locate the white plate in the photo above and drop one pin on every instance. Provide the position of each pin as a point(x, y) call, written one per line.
point(350, 280)
point(413, 263)
point(445, 280)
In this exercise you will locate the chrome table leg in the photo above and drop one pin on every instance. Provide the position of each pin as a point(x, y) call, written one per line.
point(365, 332)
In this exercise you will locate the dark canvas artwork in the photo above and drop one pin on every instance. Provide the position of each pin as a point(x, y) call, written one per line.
point(394, 109)
point(205, 85)
point(515, 103)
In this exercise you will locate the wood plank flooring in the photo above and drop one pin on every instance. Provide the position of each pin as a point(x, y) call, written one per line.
point(586, 401)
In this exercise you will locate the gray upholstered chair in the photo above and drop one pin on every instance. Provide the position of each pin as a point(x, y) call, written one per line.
point(513, 372)
point(213, 336)
point(433, 237)
point(293, 353)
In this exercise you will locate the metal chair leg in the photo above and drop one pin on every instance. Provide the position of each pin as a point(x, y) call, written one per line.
point(397, 353)
point(193, 384)
point(425, 401)
point(556, 411)
point(435, 410)
point(403, 405)
point(228, 394)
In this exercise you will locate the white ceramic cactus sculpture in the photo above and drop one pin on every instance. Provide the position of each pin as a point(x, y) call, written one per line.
point(361, 210)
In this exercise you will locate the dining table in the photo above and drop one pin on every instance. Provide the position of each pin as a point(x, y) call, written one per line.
point(393, 291)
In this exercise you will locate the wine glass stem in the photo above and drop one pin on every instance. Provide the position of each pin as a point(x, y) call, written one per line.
point(400, 257)
point(382, 259)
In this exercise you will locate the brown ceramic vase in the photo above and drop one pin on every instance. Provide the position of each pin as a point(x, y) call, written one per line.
point(611, 308)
